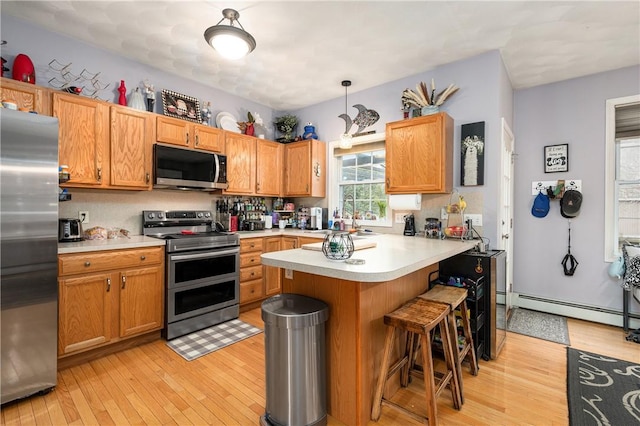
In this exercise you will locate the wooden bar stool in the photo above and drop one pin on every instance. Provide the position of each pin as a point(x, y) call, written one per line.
point(456, 298)
point(418, 317)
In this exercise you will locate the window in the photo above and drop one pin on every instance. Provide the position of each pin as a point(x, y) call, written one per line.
point(358, 182)
point(622, 198)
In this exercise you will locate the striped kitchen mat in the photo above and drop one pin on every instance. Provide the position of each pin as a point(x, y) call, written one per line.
point(203, 342)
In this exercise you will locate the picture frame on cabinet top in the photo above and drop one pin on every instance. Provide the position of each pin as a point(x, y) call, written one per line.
point(180, 106)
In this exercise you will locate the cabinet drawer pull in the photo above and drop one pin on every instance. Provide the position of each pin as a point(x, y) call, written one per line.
point(253, 273)
point(187, 138)
point(108, 284)
point(197, 140)
point(87, 263)
point(124, 281)
point(143, 257)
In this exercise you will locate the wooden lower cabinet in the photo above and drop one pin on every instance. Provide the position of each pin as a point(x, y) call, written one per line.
point(108, 296)
point(271, 274)
point(251, 286)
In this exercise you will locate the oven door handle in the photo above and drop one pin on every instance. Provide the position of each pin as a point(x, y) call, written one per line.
point(216, 253)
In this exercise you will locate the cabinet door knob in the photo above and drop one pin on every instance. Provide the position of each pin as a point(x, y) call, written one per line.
point(197, 140)
point(124, 281)
point(187, 138)
point(99, 174)
point(87, 264)
point(108, 284)
point(387, 182)
point(148, 177)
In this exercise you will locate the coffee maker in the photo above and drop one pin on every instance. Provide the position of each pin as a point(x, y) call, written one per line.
point(409, 225)
point(315, 217)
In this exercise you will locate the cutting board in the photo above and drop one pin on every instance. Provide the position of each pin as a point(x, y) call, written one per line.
point(357, 245)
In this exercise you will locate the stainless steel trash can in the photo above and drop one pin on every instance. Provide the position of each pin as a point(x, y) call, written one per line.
point(296, 377)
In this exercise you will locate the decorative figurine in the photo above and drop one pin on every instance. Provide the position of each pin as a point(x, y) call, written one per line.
point(151, 95)
point(122, 100)
point(206, 114)
point(309, 131)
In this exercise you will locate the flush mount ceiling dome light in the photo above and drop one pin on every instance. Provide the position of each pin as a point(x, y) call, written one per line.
point(345, 138)
point(230, 41)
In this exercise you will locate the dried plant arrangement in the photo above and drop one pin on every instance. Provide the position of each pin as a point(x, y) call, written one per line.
point(422, 98)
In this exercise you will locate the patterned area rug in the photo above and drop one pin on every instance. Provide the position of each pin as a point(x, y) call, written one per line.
point(602, 390)
point(203, 342)
point(540, 325)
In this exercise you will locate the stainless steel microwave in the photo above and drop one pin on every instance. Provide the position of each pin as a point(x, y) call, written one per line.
point(179, 168)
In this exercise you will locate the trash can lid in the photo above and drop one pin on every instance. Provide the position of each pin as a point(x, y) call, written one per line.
point(294, 311)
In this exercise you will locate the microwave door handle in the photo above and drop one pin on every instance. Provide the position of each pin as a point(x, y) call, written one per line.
point(203, 255)
point(217, 173)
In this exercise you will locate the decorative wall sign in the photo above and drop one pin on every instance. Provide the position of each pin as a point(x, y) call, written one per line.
point(181, 106)
point(472, 153)
point(556, 158)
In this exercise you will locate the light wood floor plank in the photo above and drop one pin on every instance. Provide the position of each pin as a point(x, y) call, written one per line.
point(151, 384)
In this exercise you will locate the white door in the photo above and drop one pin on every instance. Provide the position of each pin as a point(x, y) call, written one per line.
point(505, 209)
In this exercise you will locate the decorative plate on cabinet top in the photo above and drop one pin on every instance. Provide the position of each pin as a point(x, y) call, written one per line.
point(226, 121)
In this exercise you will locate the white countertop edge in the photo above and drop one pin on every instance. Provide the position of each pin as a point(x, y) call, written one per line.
point(135, 241)
point(394, 257)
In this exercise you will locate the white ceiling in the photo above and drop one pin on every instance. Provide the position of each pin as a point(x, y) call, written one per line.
point(305, 48)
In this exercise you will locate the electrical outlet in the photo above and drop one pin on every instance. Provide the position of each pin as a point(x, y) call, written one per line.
point(288, 274)
point(399, 218)
point(84, 217)
point(476, 219)
point(443, 213)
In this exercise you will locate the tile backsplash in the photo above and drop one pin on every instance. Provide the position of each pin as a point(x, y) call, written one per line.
point(123, 209)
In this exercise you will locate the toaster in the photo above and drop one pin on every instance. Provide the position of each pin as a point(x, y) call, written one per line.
point(69, 230)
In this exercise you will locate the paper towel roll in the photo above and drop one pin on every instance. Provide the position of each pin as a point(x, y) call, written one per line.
point(405, 201)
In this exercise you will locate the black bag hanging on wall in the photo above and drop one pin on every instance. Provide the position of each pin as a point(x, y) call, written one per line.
point(569, 263)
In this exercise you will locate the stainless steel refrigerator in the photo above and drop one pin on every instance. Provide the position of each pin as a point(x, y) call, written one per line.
point(28, 253)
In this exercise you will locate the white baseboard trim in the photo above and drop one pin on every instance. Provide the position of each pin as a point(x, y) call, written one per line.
point(587, 313)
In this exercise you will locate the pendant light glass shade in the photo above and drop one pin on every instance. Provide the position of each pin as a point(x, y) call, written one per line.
point(230, 41)
point(345, 138)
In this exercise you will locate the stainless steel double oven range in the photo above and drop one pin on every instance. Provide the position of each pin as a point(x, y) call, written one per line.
point(202, 269)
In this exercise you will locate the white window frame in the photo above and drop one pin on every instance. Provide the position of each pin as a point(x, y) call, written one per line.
point(333, 169)
point(611, 251)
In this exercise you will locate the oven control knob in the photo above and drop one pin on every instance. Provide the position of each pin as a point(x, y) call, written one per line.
point(207, 214)
point(151, 215)
point(160, 215)
point(200, 214)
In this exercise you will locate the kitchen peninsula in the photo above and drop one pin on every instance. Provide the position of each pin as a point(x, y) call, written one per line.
point(359, 296)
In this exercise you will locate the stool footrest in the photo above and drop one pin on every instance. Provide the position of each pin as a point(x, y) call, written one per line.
point(415, 416)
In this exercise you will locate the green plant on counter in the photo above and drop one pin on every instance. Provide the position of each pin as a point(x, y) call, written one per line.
point(382, 207)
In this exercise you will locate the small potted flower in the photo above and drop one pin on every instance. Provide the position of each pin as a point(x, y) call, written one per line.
point(248, 127)
point(287, 126)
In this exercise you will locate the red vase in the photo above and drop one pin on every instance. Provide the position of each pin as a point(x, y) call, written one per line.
point(122, 100)
point(23, 69)
point(250, 130)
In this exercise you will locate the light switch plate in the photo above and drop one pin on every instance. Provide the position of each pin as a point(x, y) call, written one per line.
point(288, 274)
point(399, 218)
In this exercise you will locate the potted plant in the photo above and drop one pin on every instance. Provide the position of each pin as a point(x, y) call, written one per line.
point(382, 207)
point(287, 126)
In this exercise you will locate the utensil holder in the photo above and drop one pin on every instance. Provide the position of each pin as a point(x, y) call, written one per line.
point(338, 246)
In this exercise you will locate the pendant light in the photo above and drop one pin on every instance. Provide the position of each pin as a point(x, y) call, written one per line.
point(345, 138)
point(230, 41)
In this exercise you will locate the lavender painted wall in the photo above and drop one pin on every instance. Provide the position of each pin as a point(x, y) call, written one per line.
point(573, 112)
point(43, 46)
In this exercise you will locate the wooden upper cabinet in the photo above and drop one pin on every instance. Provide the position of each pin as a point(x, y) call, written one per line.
point(83, 139)
point(209, 138)
point(132, 137)
point(241, 163)
point(419, 155)
point(269, 171)
point(26, 95)
point(189, 135)
point(305, 169)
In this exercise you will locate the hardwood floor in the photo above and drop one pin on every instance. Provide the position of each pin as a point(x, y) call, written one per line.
point(150, 384)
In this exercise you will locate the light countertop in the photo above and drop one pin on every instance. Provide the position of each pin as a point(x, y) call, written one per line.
point(393, 257)
point(134, 241)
